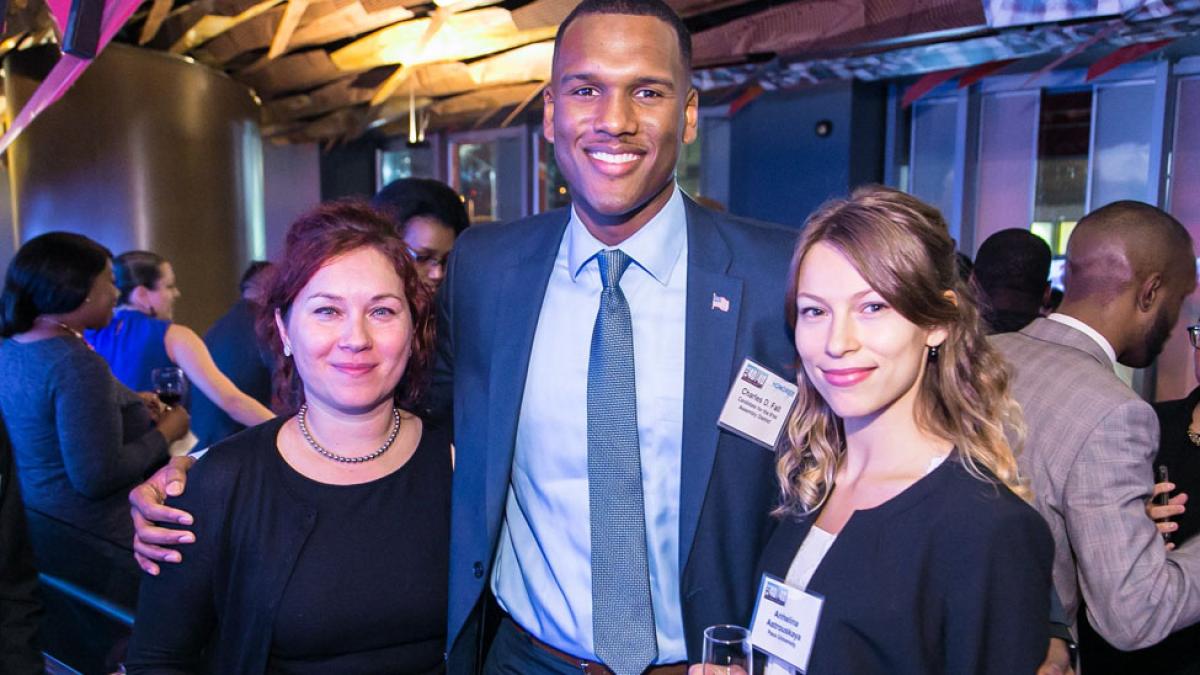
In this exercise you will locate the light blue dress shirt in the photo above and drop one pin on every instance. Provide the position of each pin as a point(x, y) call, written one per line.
point(543, 575)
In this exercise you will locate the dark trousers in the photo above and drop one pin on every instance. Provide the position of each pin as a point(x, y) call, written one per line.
point(513, 653)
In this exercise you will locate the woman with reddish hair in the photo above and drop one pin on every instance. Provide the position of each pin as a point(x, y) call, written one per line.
point(321, 537)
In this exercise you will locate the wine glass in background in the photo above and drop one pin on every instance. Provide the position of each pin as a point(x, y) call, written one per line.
point(169, 385)
point(727, 651)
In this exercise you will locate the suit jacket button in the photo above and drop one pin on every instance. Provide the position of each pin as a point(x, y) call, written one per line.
point(478, 569)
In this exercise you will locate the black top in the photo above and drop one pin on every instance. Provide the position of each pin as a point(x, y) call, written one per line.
point(359, 598)
point(950, 576)
point(293, 576)
point(1180, 652)
point(235, 349)
point(1181, 456)
point(19, 607)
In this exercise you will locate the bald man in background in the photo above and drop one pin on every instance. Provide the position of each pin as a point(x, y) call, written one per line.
point(1090, 439)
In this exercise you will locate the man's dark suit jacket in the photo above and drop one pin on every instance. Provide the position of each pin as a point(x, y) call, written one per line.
point(20, 610)
point(487, 314)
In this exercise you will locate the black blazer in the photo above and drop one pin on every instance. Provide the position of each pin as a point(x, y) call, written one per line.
point(20, 610)
point(950, 576)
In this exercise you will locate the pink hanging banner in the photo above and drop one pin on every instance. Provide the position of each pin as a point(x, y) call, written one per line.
point(59, 9)
point(69, 68)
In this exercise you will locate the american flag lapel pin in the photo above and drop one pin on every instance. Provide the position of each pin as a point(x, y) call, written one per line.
point(720, 302)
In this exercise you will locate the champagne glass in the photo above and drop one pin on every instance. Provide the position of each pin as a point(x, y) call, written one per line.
point(727, 651)
point(169, 385)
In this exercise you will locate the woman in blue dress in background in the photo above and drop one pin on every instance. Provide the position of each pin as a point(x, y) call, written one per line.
point(142, 337)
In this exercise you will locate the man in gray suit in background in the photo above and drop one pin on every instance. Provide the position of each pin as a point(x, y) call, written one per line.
point(1090, 439)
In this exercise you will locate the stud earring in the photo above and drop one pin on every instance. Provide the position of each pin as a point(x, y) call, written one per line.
point(933, 353)
point(287, 349)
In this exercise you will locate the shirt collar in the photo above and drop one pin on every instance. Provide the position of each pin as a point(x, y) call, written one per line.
point(655, 247)
point(1087, 330)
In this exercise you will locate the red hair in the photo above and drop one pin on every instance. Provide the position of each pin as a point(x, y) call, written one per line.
point(328, 231)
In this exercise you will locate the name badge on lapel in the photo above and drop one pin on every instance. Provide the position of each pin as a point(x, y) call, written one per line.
point(758, 404)
point(785, 622)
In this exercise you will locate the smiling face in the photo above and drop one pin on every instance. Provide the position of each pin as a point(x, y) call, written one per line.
point(617, 108)
point(861, 354)
point(350, 333)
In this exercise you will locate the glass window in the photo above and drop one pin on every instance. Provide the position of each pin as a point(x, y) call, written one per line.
point(1185, 159)
point(1008, 131)
point(487, 170)
point(1121, 153)
point(688, 167)
point(1060, 191)
point(932, 152)
point(552, 190)
point(409, 162)
point(1175, 375)
point(904, 151)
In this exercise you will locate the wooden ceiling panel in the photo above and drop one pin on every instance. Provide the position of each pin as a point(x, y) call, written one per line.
point(293, 72)
point(346, 92)
point(485, 100)
point(455, 37)
point(337, 68)
point(322, 22)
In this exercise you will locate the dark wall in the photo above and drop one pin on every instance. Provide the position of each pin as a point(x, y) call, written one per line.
point(781, 169)
point(348, 170)
point(146, 151)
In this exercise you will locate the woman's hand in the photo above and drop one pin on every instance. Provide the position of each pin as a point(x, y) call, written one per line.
point(154, 406)
point(174, 423)
point(1160, 513)
point(1058, 659)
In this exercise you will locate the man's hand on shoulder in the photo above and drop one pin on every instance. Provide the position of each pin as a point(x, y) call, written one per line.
point(148, 502)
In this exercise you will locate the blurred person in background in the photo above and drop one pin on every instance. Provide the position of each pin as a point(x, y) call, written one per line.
point(321, 537)
point(1179, 452)
point(239, 354)
point(142, 337)
point(1091, 440)
point(80, 438)
point(429, 215)
point(1012, 272)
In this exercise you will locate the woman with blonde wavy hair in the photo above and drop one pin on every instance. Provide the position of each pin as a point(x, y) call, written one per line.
point(901, 501)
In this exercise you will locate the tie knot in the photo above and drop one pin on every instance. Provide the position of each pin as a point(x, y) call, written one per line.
point(613, 264)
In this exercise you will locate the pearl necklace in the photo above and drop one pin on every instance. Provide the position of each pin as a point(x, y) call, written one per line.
point(312, 443)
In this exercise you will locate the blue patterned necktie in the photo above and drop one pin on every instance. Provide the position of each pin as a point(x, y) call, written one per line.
point(622, 613)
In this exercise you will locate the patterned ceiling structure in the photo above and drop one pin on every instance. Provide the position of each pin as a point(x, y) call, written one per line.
point(333, 70)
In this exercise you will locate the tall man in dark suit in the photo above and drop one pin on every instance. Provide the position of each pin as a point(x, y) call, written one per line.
point(593, 559)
